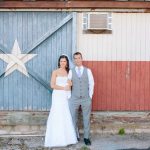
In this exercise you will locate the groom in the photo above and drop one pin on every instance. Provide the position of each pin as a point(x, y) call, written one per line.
point(82, 92)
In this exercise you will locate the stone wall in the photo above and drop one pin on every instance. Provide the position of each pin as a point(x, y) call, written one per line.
point(34, 123)
point(17, 122)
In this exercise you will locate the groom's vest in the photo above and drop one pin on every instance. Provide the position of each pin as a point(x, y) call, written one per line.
point(80, 86)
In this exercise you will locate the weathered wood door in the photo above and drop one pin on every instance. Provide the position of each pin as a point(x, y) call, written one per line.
point(30, 44)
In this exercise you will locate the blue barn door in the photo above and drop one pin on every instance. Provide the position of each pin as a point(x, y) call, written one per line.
point(30, 45)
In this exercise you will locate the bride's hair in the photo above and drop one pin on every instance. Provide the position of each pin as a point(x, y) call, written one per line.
point(67, 66)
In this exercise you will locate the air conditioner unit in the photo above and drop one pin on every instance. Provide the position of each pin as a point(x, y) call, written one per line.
point(97, 21)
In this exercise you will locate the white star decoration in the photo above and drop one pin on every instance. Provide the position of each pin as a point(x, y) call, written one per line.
point(16, 60)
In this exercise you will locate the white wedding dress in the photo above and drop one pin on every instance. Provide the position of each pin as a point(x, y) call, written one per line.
point(60, 130)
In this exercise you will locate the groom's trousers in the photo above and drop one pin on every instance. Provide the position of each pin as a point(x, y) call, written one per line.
point(86, 111)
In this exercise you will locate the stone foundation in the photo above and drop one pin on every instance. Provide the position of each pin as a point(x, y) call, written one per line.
point(34, 123)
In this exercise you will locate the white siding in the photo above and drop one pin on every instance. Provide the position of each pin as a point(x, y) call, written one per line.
point(129, 40)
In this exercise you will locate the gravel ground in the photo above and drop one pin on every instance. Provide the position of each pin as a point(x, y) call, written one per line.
point(99, 142)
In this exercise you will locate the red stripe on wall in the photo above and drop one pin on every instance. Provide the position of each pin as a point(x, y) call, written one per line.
point(121, 85)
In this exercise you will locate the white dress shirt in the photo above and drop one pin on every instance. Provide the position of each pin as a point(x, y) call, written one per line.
point(90, 78)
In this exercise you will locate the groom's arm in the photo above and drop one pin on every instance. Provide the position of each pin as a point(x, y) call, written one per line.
point(91, 83)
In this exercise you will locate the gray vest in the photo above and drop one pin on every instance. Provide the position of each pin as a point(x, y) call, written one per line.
point(80, 86)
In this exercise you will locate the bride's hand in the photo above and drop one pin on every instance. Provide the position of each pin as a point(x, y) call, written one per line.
point(67, 88)
point(69, 82)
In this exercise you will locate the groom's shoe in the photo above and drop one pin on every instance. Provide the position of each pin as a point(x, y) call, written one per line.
point(78, 139)
point(87, 141)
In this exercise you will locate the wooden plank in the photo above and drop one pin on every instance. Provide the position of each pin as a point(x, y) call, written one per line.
point(142, 83)
point(1, 68)
point(109, 84)
point(134, 86)
point(12, 92)
point(43, 97)
point(104, 85)
point(32, 86)
point(18, 102)
point(127, 30)
point(73, 4)
point(114, 79)
point(6, 80)
point(147, 67)
point(71, 43)
point(137, 97)
point(147, 103)
point(118, 84)
point(98, 86)
point(49, 55)
point(48, 34)
point(127, 84)
point(64, 38)
point(24, 45)
point(74, 31)
point(123, 80)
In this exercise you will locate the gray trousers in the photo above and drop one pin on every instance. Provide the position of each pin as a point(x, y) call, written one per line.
point(86, 110)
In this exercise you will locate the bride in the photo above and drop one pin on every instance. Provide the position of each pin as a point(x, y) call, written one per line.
point(60, 130)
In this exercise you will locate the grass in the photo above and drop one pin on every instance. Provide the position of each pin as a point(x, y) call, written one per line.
point(121, 131)
point(84, 148)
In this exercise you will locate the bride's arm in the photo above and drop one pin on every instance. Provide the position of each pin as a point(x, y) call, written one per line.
point(69, 82)
point(53, 83)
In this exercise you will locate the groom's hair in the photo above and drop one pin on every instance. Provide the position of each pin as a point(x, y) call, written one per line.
point(77, 53)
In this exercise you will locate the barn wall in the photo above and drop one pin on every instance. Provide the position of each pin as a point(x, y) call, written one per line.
point(120, 62)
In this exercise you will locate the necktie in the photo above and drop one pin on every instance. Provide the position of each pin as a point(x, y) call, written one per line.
point(79, 72)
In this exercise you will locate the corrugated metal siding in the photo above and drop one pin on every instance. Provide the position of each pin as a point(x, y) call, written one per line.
point(120, 62)
point(18, 92)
